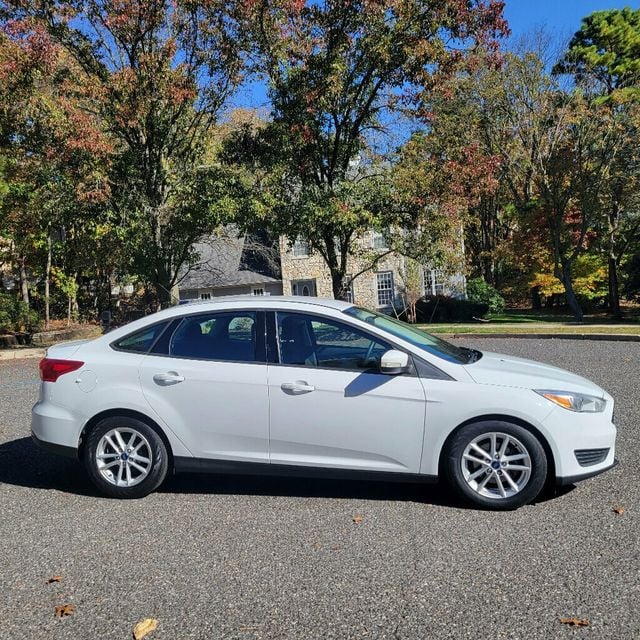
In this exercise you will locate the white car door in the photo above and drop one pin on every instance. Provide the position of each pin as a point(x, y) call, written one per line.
point(207, 380)
point(329, 405)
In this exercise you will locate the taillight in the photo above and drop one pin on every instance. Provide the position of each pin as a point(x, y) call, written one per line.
point(51, 369)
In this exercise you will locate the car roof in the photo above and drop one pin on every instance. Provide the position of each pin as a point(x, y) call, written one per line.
point(223, 303)
point(264, 301)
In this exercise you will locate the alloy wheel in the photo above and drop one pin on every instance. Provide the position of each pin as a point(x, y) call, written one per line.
point(123, 457)
point(496, 465)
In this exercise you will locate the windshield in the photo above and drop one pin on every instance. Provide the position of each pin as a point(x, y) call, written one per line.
point(416, 337)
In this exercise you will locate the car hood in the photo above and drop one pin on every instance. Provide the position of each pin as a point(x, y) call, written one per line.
point(509, 371)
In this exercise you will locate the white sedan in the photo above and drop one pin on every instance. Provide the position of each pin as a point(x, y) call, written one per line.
point(304, 386)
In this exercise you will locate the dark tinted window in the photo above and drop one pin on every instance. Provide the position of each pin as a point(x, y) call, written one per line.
point(140, 341)
point(315, 341)
point(217, 336)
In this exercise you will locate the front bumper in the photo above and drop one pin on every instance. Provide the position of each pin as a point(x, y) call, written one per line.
point(573, 436)
point(561, 482)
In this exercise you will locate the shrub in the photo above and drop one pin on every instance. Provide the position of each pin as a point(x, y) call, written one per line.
point(446, 309)
point(632, 273)
point(481, 292)
point(15, 315)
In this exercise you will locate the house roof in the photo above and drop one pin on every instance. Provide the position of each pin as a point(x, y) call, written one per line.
point(228, 260)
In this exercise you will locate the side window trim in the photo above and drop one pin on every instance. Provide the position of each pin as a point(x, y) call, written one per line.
point(271, 337)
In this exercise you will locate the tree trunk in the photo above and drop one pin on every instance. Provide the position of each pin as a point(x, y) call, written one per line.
point(564, 275)
point(614, 289)
point(47, 277)
point(536, 302)
point(24, 281)
point(72, 309)
point(337, 283)
point(337, 267)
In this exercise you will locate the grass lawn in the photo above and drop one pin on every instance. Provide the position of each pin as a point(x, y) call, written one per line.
point(631, 316)
point(527, 321)
point(546, 327)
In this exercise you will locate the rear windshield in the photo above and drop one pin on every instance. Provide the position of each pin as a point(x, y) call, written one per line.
point(415, 336)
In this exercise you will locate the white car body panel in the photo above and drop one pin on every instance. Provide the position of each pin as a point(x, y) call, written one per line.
point(351, 420)
point(221, 408)
point(509, 371)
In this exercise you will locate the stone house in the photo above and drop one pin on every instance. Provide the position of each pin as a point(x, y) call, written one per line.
point(304, 272)
point(231, 265)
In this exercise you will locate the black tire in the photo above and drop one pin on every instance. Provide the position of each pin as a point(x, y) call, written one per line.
point(156, 451)
point(531, 485)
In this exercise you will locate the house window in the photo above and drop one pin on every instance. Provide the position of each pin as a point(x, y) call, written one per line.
point(433, 282)
point(379, 241)
point(300, 248)
point(258, 291)
point(303, 288)
point(205, 296)
point(385, 288)
point(347, 283)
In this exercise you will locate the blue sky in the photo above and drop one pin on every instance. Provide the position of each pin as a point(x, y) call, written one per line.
point(560, 16)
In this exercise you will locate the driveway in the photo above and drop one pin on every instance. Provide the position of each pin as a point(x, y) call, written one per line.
point(234, 557)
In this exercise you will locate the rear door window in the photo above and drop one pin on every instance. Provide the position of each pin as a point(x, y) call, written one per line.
point(226, 336)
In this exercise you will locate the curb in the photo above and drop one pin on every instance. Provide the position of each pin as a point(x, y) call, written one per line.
point(611, 337)
point(19, 354)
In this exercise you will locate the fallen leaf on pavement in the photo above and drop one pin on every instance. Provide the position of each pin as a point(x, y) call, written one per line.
point(618, 510)
point(64, 610)
point(335, 547)
point(144, 628)
point(575, 622)
point(358, 519)
point(54, 579)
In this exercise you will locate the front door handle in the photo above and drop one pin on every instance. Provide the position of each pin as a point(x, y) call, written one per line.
point(297, 387)
point(168, 378)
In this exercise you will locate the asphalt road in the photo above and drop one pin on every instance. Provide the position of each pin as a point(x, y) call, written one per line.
point(213, 557)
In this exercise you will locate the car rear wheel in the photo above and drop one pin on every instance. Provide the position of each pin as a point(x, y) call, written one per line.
point(125, 457)
point(496, 465)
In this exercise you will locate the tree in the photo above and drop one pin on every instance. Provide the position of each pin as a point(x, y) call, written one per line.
point(54, 152)
point(551, 152)
point(336, 72)
point(607, 49)
point(157, 75)
point(604, 58)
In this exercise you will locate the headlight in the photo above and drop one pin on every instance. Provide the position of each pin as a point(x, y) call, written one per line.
point(579, 402)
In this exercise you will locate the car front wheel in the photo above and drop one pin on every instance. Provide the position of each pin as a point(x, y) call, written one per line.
point(125, 457)
point(496, 465)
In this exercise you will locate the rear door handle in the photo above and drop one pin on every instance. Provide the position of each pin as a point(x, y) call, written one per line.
point(297, 387)
point(167, 379)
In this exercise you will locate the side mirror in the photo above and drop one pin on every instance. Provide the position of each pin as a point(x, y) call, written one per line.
point(394, 362)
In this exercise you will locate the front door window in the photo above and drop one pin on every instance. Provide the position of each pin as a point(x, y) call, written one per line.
point(314, 341)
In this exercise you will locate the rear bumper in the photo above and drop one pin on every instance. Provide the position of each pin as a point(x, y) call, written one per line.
point(55, 426)
point(561, 482)
point(58, 449)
